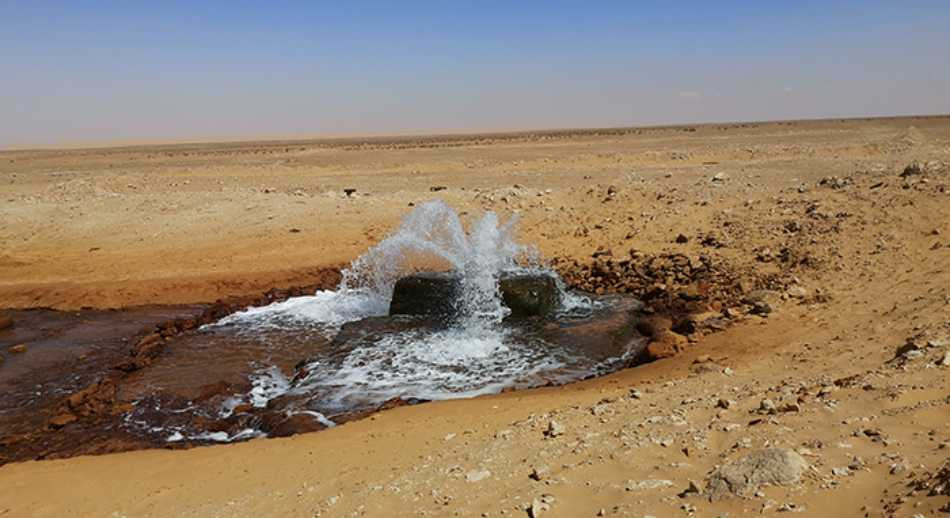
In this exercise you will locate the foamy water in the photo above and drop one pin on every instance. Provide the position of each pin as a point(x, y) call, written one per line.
point(475, 354)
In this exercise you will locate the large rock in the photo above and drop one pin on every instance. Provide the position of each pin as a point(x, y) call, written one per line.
point(529, 295)
point(426, 294)
point(770, 466)
point(437, 294)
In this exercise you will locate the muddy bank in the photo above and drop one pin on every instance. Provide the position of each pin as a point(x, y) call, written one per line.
point(61, 371)
point(96, 382)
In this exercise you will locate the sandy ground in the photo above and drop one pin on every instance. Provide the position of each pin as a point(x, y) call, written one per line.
point(176, 224)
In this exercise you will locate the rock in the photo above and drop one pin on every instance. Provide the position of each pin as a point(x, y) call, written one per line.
point(282, 425)
point(665, 346)
point(438, 294)
point(62, 420)
point(915, 168)
point(633, 485)
point(841, 471)
point(767, 406)
point(720, 177)
point(6, 321)
point(538, 473)
point(426, 293)
point(790, 407)
point(654, 325)
point(349, 191)
point(537, 507)
point(681, 239)
point(477, 475)
point(904, 350)
point(691, 490)
point(725, 404)
point(945, 361)
point(797, 292)
point(19, 348)
point(771, 466)
point(554, 429)
point(762, 301)
point(529, 295)
point(437, 188)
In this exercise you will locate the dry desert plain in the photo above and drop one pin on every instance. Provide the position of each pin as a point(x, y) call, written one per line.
point(842, 363)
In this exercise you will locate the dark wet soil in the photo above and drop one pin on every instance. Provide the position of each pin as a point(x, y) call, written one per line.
point(75, 391)
point(65, 352)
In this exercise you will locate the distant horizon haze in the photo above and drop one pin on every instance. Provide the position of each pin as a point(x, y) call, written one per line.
point(101, 73)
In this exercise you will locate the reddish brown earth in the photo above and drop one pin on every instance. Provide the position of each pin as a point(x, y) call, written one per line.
point(848, 343)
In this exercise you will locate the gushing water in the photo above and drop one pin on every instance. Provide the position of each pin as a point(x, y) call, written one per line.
point(431, 237)
point(357, 362)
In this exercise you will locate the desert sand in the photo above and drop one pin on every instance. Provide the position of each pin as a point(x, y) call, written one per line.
point(849, 368)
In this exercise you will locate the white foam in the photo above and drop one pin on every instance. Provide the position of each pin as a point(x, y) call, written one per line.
point(247, 433)
point(426, 365)
point(328, 308)
point(266, 385)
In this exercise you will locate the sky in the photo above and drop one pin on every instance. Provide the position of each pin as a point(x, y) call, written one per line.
point(111, 72)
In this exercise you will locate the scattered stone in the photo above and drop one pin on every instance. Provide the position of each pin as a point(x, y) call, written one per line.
point(841, 471)
point(62, 420)
point(477, 475)
point(19, 348)
point(554, 429)
point(909, 347)
point(915, 168)
point(725, 403)
point(937, 483)
point(633, 485)
point(539, 506)
point(797, 292)
point(771, 466)
point(691, 490)
point(538, 473)
point(790, 407)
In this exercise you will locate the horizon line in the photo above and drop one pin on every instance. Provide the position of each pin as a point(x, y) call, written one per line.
point(448, 134)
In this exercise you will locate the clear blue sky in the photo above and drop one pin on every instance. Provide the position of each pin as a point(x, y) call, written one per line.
point(105, 71)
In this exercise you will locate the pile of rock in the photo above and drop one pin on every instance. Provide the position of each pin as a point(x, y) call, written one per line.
point(669, 283)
